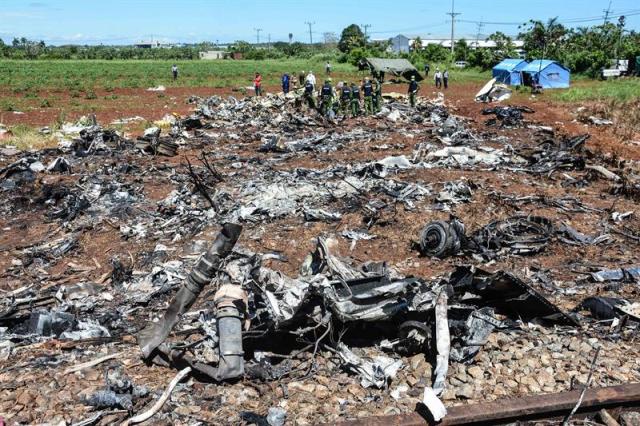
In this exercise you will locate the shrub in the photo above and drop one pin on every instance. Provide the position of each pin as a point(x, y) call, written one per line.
point(7, 105)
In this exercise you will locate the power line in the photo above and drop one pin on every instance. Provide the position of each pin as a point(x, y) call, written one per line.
point(257, 30)
point(607, 11)
point(488, 22)
point(594, 19)
point(453, 15)
point(631, 12)
point(366, 27)
point(425, 27)
point(310, 31)
point(480, 26)
point(406, 30)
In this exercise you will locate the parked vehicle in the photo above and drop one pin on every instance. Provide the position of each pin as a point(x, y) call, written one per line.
point(617, 68)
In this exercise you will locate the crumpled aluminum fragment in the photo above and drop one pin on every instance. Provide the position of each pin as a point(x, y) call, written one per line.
point(443, 343)
point(373, 372)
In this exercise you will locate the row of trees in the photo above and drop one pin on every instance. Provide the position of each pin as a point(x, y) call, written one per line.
point(22, 48)
point(583, 50)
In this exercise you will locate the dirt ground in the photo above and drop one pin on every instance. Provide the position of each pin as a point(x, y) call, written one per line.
point(33, 387)
point(154, 105)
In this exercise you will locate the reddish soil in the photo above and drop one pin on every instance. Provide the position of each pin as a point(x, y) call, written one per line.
point(154, 105)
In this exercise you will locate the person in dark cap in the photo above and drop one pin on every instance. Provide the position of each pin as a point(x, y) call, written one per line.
point(345, 98)
point(413, 90)
point(355, 100)
point(367, 91)
point(285, 83)
point(326, 97)
point(377, 96)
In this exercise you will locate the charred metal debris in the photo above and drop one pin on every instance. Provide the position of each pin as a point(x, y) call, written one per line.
point(206, 303)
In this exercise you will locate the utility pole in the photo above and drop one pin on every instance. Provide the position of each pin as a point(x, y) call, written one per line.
point(269, 43)
point(366, 27)
point(453, 15)
point(310, 32)
point(607, 11)
point(257, 30)
point(621, 23)
point(480, 26)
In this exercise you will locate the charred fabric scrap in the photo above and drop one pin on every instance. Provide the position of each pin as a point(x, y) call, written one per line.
point(119, 392)
point(449, 319)
point(508, 116)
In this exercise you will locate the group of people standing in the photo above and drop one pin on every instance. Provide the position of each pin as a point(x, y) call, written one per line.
point(326, 99)
point(346, 97)
point(440, 78)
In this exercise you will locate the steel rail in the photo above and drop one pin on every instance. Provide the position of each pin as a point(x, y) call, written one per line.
point(507, 410)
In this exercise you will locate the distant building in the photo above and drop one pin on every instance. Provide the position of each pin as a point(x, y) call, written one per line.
point(479, 44)
point(474, 44)
point(148, 45)
point(400, 44)
point(403, 44)
point(213, 54)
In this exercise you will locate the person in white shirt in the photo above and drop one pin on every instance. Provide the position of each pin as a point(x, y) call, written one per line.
point(311, 79)
point(438, 78)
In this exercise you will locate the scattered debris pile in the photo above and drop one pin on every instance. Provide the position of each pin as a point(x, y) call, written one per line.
point(254, 262)
point(508, 116)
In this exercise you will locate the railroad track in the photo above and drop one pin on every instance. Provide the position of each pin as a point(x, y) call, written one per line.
point(555, 406)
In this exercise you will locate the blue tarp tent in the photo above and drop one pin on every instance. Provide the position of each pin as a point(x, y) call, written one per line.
point(508, 71)
point(549, 74)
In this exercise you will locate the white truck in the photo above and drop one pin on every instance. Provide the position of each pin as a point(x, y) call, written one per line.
point(619, 67)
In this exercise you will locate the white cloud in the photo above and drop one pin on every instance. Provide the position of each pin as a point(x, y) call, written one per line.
point(20, 14)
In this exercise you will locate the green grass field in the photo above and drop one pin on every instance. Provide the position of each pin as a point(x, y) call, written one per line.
point(626, 89)
point(83, 75)
point(28, 76)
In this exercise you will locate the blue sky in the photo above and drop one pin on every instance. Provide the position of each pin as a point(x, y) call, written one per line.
point(127, 21)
